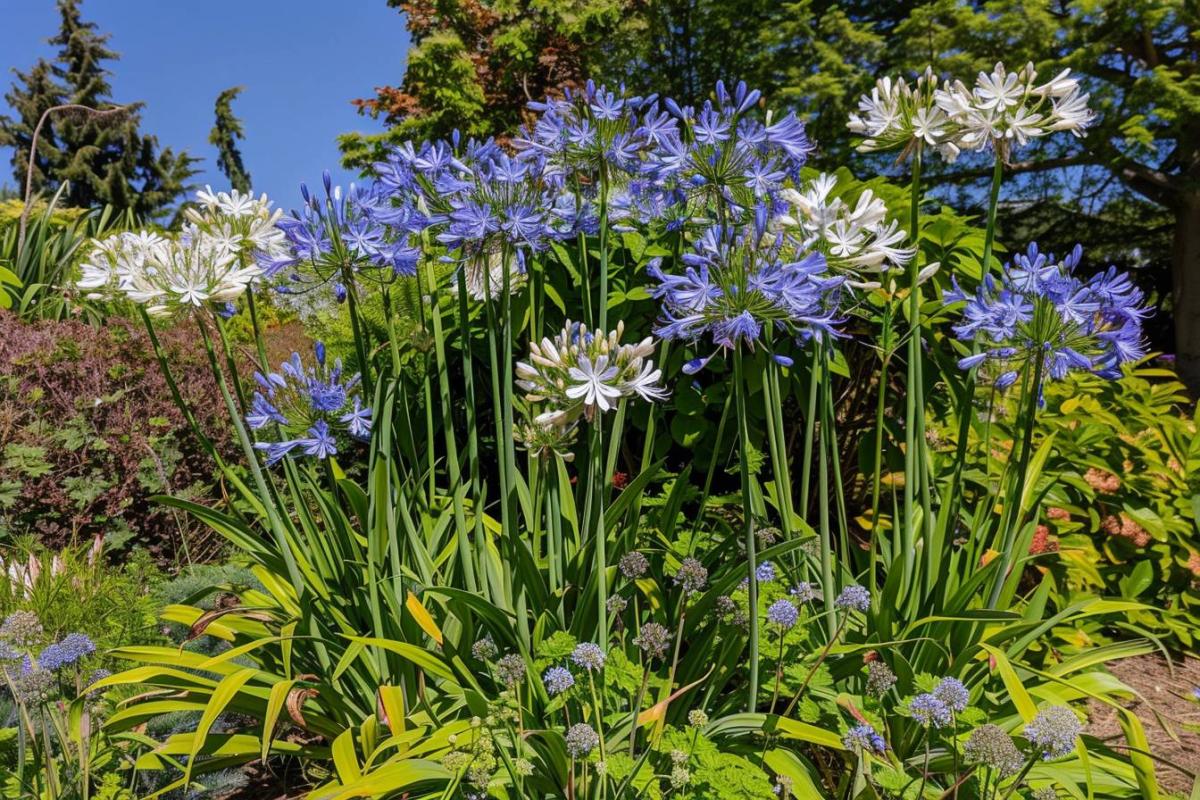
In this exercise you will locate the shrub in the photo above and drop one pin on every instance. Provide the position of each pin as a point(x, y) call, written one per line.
point(89, 434)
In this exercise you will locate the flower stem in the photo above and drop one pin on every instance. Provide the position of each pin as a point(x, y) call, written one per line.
point(739, 388)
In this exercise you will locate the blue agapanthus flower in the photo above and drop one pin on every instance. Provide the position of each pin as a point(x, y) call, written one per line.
point(720, 162)
point(309, 407)
point(592, 132)
point(1039, 313)
point(476, 200)
point(70, 649)
point(742, 287)
point(347, 234)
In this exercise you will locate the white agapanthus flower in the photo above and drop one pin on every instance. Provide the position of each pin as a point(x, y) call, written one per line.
point(578, 373)
point(166, 275)
point(1003, 110)
point(212, 260)
point(1007, 109)
point(897, 116)
point(856, 239)
point(240, 223)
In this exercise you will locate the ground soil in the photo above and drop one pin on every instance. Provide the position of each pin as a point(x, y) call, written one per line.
point(1168, 711)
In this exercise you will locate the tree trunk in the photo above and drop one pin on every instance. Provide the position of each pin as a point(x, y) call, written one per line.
point(1185, 281)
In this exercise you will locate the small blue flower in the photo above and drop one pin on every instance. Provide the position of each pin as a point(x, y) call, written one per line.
point(953, 693)
point(765, 572)
point(319, 444)
point(588, 655)
point(864, 738)
point(558, 680)
point(783, 613)
point(1054, 730)
point(854, 597)
point(73, 647)
point(928, 710)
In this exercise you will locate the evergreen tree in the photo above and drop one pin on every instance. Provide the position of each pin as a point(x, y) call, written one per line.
point(105, 157)
point(226, 131)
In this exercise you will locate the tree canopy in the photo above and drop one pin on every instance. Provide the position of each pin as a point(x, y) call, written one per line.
point(1130, 189)
point(104, 156)
point(226, 131)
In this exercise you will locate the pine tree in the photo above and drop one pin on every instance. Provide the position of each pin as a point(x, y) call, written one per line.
point(226, 131)
point(105, 158)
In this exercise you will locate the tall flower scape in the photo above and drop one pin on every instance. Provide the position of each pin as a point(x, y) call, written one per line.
point(495, 560)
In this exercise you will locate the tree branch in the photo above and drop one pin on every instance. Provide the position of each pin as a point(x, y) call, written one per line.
point(33, 143)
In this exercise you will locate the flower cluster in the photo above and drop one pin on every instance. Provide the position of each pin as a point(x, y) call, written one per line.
point(864, 738)
point(855, 239)
point(1003, 110)
point(166, 275)
point(1006, 109)
point(341, 237)
point(1039, 312)
point(307, 408)
point(1054, 731)
point(740, 285)
point(579, 373)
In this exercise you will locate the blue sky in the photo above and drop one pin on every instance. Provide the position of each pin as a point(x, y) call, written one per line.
point(301, 61)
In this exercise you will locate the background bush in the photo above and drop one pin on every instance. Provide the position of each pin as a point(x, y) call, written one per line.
point(89, 433)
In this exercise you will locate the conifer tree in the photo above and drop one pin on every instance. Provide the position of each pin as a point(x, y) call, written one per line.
point(105, 158)
point(226, 131)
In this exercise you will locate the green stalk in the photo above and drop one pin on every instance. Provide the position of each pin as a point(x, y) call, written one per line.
point(597, 489)
point(603, 246)
point(260, 480)
point(810, 423)
point(828, 589)
point(912, 406)
point(1019, 478)
point(954, 501)
point(876, 477)
point(739, 388)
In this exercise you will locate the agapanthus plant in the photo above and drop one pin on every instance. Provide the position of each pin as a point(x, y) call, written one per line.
point(723, 164)
point(897, 116)
point(347, 236)
point(579, 373)
point(741, 287)
point(239, 222)
point(859, 241)
point(1005, 110)
point(308, 410)
point(1039, 314)
point(193, 271)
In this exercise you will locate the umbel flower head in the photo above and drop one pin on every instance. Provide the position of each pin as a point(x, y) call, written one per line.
point(72, 648)
point(345, 236)
point(857, 240)
point(1054, 731)
point(167, 275)
point(990, 746)
point(741, 286)
point(723, 162)
point(928, 710)
point(897, 116)
point(309, 408)
point(1039, 310)
point(240, 222)
point(1005, 110)
point(864, 738)
point(578, 373)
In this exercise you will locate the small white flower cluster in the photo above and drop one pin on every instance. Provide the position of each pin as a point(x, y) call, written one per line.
point(579, 373)
point(1003, 110)
point(240, 223)
point(855, 239)
point(211, 261)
